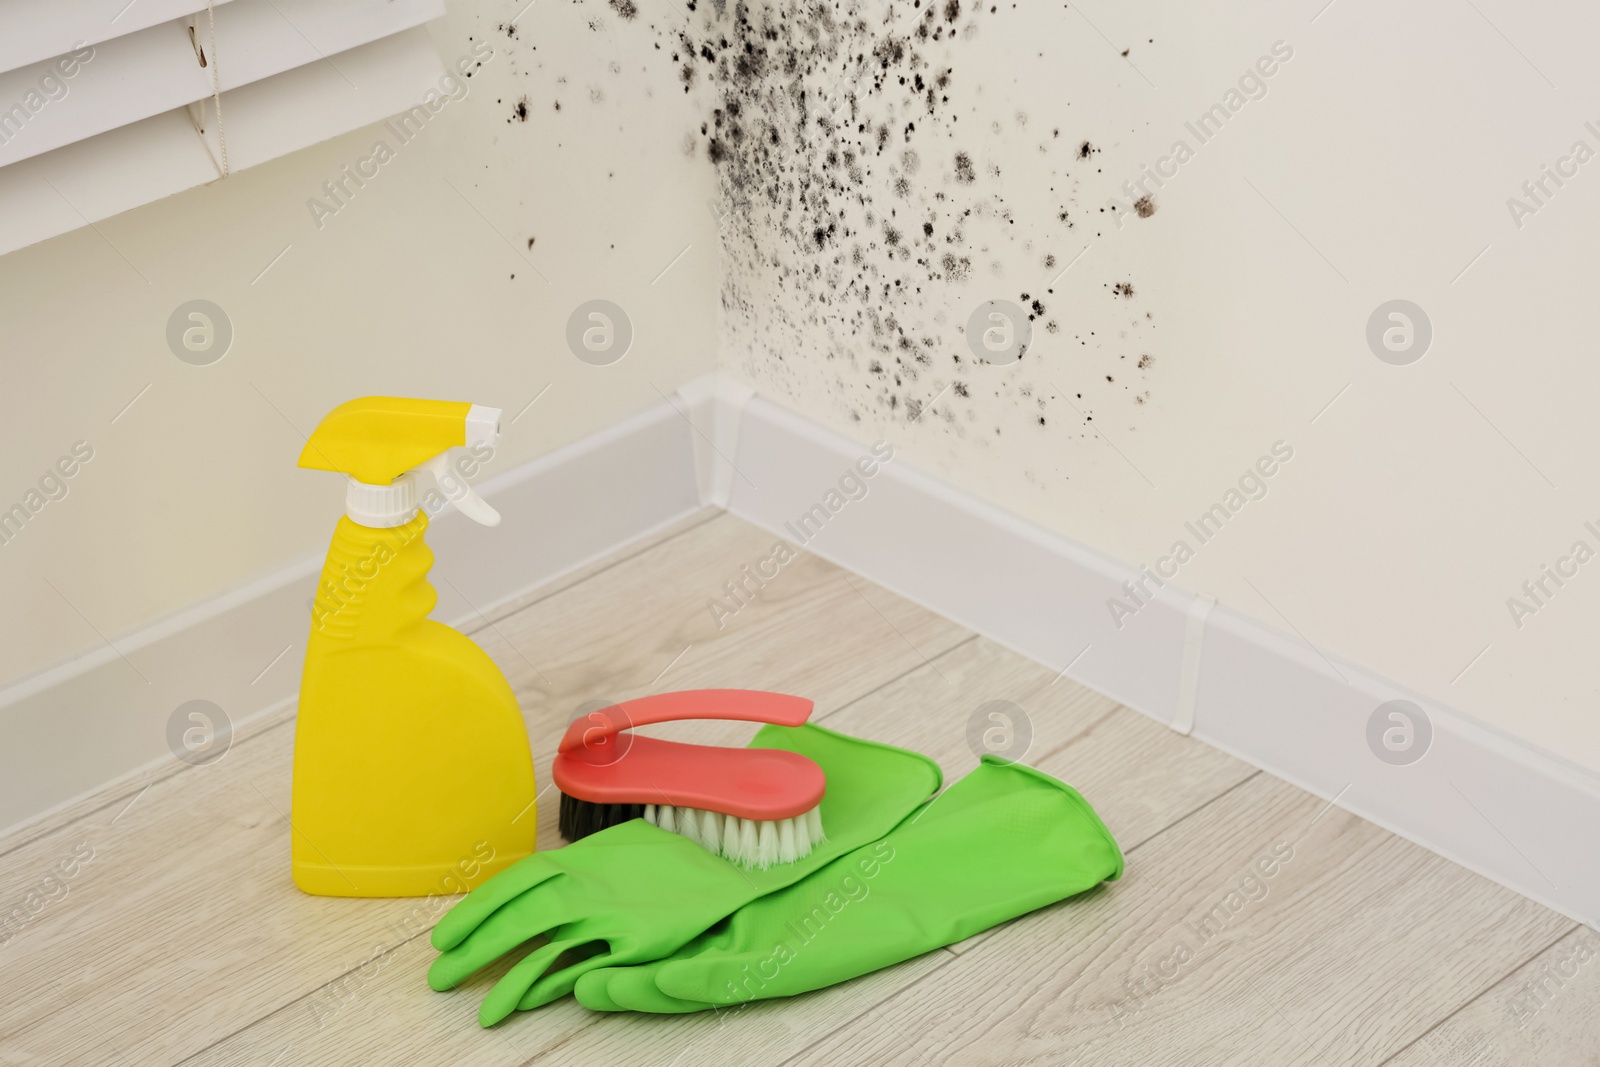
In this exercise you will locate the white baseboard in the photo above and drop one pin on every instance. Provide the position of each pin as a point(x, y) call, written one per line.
point(1485, 800)
point(102, 716)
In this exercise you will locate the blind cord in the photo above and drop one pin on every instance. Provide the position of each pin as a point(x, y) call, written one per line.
point(216, 86)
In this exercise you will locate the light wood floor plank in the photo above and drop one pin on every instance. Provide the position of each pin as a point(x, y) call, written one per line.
point(178, 935)
point(1356, 945)
point(1547, 1012)
point(183, 928)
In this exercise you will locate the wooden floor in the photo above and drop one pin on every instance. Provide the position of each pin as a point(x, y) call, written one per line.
point(178, 937)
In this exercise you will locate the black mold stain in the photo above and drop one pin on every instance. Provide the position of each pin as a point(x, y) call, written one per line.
point(1145, 206)
point(861, 221)
point(519, 113)
point(957, 269)
point(964, 173)
point(626, 8)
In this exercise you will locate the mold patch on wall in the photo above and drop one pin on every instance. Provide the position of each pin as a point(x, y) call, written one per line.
point(866, 160)
point(881, 176)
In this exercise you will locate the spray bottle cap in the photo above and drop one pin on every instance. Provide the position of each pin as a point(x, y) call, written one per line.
point(382, 444)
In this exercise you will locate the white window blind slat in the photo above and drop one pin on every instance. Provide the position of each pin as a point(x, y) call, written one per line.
point(93, 179)
point(36, 30)
point(158, 69)
point(309, 104)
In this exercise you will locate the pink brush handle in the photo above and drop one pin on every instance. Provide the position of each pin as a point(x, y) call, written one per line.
point(742, 705)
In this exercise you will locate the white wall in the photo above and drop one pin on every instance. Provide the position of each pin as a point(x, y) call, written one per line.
point(408, 290)
point(1377, 166)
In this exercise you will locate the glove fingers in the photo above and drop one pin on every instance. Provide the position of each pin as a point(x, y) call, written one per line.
point(558, 984)
point(484, 901)
point(521, 920)
point(508, 993)
point(592, 992)
point(630, 989)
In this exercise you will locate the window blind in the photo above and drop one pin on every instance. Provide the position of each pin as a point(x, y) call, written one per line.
point(113, 120)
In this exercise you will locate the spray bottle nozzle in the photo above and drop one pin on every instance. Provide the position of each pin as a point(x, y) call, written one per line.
point(382, 444)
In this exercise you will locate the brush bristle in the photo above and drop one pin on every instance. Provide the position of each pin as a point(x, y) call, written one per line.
point(744, 842)
point(747, 842)
point(580, 818)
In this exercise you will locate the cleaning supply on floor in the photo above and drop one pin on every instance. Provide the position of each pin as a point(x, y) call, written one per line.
point(635, 892)
point(412, 770)
point(1003, 841)
point(753, 806)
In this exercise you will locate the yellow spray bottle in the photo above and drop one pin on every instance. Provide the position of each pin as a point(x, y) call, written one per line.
point(412, 771)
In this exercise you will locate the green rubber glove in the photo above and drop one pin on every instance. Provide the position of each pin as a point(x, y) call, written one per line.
point(634, 892)
point(1004, 840)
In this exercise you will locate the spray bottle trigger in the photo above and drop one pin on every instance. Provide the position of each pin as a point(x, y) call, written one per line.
point(457, 490)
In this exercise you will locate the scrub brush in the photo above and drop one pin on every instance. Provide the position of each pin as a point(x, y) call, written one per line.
point(753, 806)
